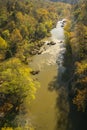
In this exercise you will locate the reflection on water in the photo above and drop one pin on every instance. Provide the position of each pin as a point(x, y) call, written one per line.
point(62, 105)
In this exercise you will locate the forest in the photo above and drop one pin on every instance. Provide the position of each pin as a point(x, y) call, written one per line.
point(76, 40)
point(23, 26)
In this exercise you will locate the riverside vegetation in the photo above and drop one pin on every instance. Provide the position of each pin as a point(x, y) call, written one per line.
point(23, 24)
point(74, 79)
point(76, 41)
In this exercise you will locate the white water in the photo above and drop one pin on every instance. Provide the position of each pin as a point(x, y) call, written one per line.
point(53, 54)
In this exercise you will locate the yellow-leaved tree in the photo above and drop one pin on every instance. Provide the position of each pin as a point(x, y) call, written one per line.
point(17, 86)
point(3, 43)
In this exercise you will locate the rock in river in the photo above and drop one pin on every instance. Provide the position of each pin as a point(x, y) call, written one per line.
point(34, 72)
point(51, 43)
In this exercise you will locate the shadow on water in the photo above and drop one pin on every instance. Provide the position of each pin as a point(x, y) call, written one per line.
point(62, 106)
point(67, 116)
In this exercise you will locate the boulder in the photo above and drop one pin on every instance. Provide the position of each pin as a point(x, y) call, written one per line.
point(52, 43)
point(48, 43)
point(62, 25)
point(33, 52)
point(61, 41)
point(41, 44)
point(40, 52)
point(34, 72)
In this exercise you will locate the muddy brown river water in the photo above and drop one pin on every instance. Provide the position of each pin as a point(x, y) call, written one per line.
point(43, 109)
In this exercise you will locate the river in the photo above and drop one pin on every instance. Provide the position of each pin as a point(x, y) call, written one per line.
point(45, 113)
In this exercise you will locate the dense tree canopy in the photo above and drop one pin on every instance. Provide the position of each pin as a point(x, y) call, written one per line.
point(23, 24)
point(76, 38)
point(15, 85)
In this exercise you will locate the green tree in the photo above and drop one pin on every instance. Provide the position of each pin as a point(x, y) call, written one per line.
point(16, 36)
point(17, 86)
point(3, 44)
point(41, 31)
